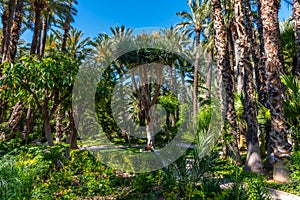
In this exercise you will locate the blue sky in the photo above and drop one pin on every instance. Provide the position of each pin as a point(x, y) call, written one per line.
point(96, 16)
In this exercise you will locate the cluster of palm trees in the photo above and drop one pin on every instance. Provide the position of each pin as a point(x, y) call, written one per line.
point(41, 17)
point(248, 42)
point(241, 36)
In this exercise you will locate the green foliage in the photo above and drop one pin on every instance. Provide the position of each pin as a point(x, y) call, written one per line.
point(19, 172)
point(292, 106)
point(292, 102)
point(295, 169)
point(169, 102)
point(7, 146)
point(244, 186)
point(187, 177)
point(204, 117)
point(41, 172)
point(35, 75)
point(81, 176)
point(288, 44)
point(256, 189)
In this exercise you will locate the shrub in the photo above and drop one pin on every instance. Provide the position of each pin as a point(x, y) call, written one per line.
point(295, 170)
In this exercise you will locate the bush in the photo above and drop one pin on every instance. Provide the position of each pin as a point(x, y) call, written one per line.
point(19, 174)
point(295, 170)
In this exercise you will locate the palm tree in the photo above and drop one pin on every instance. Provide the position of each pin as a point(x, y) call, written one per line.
point(7, 20)
point(16, 29)
point(11, 35)
point(223, 65)
point(260, 71)
point(11, 21)
point(296, 17)
point(16, 116)
point(38, 6)
point(65, 23)
point(243, 47)
point(29, 122)
point(278, 135)
point(192, 24)
point(77, 44)
point(51, 10)
point(146, 92)
point(65, 18)
point(208, 44)
point(77, 48)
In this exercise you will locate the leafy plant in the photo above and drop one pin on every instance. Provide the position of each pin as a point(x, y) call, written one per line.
point(47, 82)
point(295, 170)
point(292, 106)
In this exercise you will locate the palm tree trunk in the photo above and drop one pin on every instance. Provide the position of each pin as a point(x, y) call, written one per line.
point(29, 123)
point(230, 49)
point(16, 115)
point(11, 53)
point(7, 31)
point(73, 131)
point(226, 78)
point(3, 104)
point(278, 135)
point(4, 19)
point(16, 29)
point(44, 35)
point(66, 28)
point(268, 165)
point(296, 17)
point(238, 67)
point(195, 95)
point(35, 43)
point(260, 73)
point(253, 160)
point(209, 74)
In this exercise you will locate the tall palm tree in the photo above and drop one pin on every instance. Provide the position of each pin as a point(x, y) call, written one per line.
point(192, 24)
point(67, 20)
point(10, 41)
point(208, 44)
point(243, 47)
point(278, 135)
point(38, 6)
point(260, 73)
point(146, 92)
point(76, 47)
point(7, 20)
point(65, 24)
point(49, 12)
point(11, 21)
point(222, 60)
point(16, 29)
point(77, 44)
point(296, 17)
point(55, 12)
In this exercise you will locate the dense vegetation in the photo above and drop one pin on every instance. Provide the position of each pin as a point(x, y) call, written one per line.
point(225, 61)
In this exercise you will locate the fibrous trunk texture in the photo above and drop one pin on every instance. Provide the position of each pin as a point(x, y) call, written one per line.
point(278, 135)
point(227, 79)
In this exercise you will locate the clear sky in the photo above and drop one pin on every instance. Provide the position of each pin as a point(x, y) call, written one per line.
point(96, 16)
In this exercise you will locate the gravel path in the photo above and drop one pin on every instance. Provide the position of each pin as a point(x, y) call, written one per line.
point(280, 195)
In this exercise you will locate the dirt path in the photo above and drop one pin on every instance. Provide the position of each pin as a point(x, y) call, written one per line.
point(280, 195)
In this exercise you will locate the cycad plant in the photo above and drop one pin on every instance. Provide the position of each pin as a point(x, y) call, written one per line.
point(192, 175)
